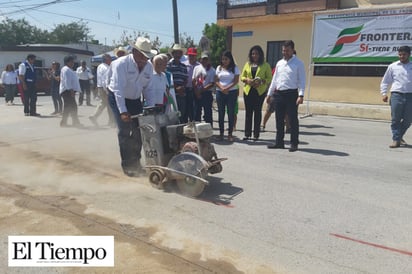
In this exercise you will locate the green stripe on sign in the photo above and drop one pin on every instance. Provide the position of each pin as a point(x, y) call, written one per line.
point(355, 59)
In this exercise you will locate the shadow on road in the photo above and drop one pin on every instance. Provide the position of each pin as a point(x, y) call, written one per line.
point(218, 192)
point(324, 152)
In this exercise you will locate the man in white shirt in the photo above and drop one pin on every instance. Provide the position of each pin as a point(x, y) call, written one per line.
point(287, 88)
point(156, 92)
point(129, 77)
point(203, 82)
point(69, 85)
point(399, 76)
point(101, 75)
point(85, 75)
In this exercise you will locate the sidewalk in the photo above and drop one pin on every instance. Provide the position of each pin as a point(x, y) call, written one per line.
point(364, 111)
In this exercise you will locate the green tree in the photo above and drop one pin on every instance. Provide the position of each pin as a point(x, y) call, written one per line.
point(217, 37)
point(70, 33)
point(126, 38)
point(18, 32)
point(186, 41)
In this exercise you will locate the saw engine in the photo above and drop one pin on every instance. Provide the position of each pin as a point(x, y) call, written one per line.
point(180, 153)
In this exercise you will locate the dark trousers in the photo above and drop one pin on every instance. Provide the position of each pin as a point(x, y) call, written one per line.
point(226, 101)
point(85, 87)
point(10, 92)
point(253, 108)
point(204, 102)
point(185, 105)
point(130, 140)
point(30, 98)
point(57, 101)
point(69, 108)
point(285, 103)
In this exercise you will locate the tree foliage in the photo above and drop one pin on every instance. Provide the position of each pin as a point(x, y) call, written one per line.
point(70, 33)
point(217, 38)
point(18, 32)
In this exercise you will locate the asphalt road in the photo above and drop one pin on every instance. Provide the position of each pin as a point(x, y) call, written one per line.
point(341, 204)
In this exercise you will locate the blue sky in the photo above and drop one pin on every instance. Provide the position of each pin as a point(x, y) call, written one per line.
point(108, 18)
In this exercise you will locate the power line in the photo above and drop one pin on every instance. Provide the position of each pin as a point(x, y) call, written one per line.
point(105, 23)
point(37, 7)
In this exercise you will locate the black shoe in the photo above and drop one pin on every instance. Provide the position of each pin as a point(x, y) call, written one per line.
point(246, 138)
point(255, 138)
point(293, 148)
point(133, 172)
point(34, 114)
point(276, 146)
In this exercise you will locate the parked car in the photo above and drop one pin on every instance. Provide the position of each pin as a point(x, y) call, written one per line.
point(42, 83)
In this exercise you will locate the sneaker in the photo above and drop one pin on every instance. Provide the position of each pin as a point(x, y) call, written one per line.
point(403, 142)
point(395, 144)
point(230, 138)
point(246, 138)
point(26, 114)
point(262, 129)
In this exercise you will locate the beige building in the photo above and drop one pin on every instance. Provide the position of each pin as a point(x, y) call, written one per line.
point(269, 23)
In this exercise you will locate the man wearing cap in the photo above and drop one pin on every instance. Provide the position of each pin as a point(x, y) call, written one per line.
point(27, 77)
point(203, 82)
point(179, 73)
point(85, 75)
point(191, 63)
point(129, 77)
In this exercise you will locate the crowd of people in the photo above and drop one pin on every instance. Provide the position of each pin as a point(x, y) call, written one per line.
point(182, 82)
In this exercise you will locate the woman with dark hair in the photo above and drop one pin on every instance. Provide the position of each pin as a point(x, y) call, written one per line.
point(9, 81)
point(256, 75)
point(227, 91)
point(54, 77)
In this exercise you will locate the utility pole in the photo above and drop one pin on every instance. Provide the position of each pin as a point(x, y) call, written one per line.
point(175, 22)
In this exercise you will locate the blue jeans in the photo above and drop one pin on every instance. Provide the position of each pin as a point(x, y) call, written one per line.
point(229, 101)
point(130, 140)
point(401, 112)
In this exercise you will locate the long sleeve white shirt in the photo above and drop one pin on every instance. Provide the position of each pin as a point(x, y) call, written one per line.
point(9, 77)
point(101, 75)
point(68, 80)
point(289, 74)
point(84, 74)
point(126, 81)
point(154, 93)
point(399, 76)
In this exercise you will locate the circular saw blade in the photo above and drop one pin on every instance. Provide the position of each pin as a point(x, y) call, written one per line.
point(192, 164)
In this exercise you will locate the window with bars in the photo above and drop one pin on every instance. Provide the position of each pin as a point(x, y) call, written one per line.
point(274, 52)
